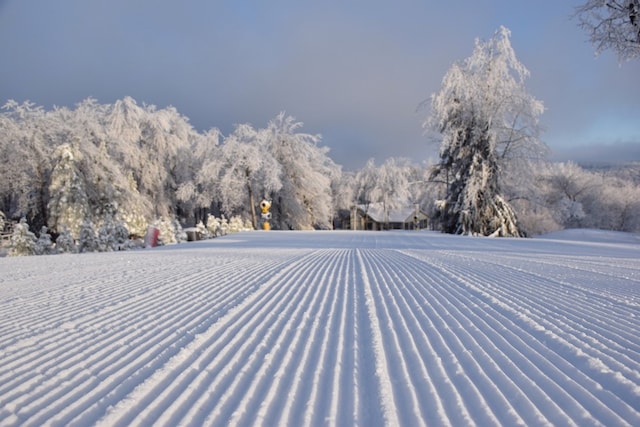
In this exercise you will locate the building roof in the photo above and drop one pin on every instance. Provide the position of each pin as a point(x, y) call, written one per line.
point(375, 211)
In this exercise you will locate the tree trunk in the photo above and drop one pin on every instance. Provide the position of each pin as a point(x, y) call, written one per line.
point(252, 202)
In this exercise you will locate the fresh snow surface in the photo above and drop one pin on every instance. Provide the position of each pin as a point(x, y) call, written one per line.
point(325, 328)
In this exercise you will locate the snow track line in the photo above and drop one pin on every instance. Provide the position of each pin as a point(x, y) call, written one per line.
point(385, 383)
point(216, 342)
point(585, 388)
point(129, 361)
point(614, 345)
point(366, 329)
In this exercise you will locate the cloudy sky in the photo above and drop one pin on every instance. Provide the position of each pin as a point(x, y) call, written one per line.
point(354, 71)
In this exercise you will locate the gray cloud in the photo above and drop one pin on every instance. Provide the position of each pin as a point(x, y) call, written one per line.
point(354, 72)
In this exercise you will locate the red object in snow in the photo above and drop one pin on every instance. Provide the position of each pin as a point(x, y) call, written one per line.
point(151, 239)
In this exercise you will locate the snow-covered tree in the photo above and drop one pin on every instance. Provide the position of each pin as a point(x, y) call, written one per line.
point(485, 117)
point(87, 240)
point(236, 224)
point(23, 241)
point(612, 24)
point(168, 233)
point(65, 242)
point(69, 203)
point(107, 241)
point(179, 233)
point(245, 172)
point(25, 161)
point(198, 189)
point(202, 231)
point(566, 187)
point(214, 226)
point(44, 245)
point(388, 184)
point(304, 200)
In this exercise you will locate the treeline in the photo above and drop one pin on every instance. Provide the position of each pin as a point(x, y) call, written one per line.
point(62, 167)
point(138, 164)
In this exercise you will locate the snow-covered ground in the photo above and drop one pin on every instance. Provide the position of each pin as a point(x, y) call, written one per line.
point(326, 328)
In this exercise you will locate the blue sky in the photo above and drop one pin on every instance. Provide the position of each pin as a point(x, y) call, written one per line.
point(353, 71)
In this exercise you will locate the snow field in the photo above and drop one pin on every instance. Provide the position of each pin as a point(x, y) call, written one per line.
point(325, 328)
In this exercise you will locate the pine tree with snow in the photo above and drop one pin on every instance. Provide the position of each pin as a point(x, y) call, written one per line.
point(87, 241)
point(487, 120)
point(65, 242)
point(107, 234)
point(121, 236)
point(44, 245)
point(23, 241)
point(69, 203)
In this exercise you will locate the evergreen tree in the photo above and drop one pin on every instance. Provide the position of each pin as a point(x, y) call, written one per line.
point(486, 119)
point(65, 242)
point(121, 236)
point(69, 204)
point(23, 241)
point(44, 245)
point(87, 241)
point(107, 235)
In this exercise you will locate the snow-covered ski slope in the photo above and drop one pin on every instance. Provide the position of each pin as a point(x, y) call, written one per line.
point(326, 328)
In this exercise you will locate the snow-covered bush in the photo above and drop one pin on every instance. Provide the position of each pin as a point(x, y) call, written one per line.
point(224, 226)
point(87, 241)
point(44, 245)
point(3, 219)
point(236, 224)
point(221, 226)
point(167, 234)
point(180, 234)
point(23, 241)
point(136, 223)
point(202, 231)
point(65, 242)
point(213, 225)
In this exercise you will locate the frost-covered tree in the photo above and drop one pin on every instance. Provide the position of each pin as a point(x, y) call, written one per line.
point(65, 242)
point(25, 161)
point(23, 241)
point(87, 241)
point(304, 201)
point(612, 24)
point(486, 118)
point(198, 189)
point(245, 172)
point(107, 240)
point(387, 184)
point(69, 203)
point(567, 187)
point(44, 245)
point(153, 147)
point(393, 184)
